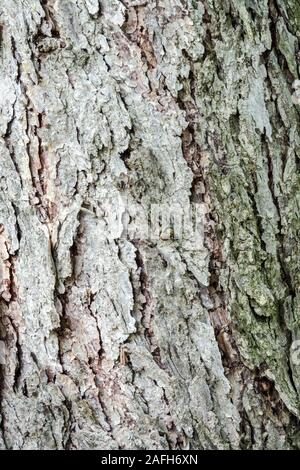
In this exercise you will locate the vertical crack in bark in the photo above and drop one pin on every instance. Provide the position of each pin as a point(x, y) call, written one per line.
point(213, 297)
point(174, 437)
point(9, 331)
point(64, 330)
point(147, 311)
point(2, 415)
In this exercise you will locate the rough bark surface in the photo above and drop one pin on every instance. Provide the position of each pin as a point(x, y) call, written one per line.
point(116, 342)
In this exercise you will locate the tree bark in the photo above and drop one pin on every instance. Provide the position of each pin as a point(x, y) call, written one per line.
point(114, 341)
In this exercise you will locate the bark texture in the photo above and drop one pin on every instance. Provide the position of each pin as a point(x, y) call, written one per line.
point(115, 342)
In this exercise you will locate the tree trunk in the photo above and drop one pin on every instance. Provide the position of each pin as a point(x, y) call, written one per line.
point(112, 112)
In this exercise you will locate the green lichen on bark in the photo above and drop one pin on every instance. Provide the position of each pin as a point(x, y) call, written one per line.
point(250, 129)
